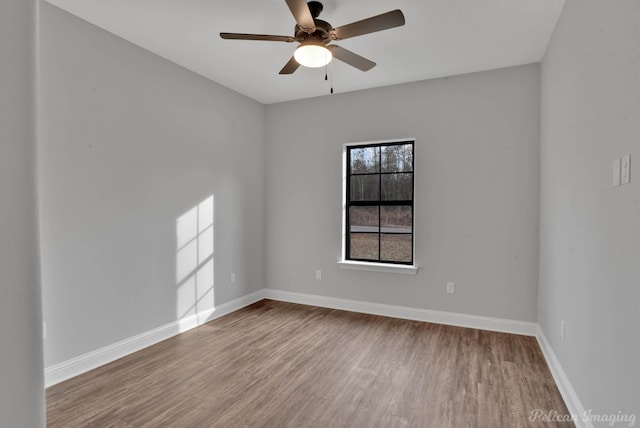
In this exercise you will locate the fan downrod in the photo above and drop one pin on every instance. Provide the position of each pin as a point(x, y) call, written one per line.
point(315, 7)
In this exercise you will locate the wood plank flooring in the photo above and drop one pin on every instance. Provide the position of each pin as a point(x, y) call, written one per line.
point(276, 364)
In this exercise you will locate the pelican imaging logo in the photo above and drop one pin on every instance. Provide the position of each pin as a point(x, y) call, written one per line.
point(611, 419)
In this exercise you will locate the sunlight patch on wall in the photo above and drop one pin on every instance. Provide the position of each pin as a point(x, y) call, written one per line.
point(194, 259)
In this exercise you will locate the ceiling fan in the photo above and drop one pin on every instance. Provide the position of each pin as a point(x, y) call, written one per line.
point(315, 35)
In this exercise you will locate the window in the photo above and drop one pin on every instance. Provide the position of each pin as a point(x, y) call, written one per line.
point(378, 203)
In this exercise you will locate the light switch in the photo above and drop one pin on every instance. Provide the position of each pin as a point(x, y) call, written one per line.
point(625, 169)
point(616, 171)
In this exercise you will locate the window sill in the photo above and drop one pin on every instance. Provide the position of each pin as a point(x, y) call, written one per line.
point(378, 267)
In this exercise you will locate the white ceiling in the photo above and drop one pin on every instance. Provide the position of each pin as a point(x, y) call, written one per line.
point(440, 38)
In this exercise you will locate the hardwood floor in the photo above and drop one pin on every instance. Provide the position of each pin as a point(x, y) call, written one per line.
point(277, 364)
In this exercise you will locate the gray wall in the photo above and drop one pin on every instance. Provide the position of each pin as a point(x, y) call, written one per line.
point(477, 192)
point(21, 384)
point(590, 234)
point(128, 144)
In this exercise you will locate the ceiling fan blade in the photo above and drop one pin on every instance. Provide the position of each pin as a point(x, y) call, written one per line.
point(351, 58)
point(266, 37)
point(392, 19)
point(290, 67)
point(302, 14)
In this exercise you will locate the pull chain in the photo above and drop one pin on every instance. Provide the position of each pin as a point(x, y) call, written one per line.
point(331, 71)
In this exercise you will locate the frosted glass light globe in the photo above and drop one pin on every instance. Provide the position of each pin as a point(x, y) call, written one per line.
point(312, 56)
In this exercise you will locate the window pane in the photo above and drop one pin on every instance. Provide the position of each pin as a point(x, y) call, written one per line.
point(397, 158)
point(365, 188)
point(365, 160)
point(363, 219)
point(364, 246)
point(396, 248)
point(397, 187)
point(396, 219)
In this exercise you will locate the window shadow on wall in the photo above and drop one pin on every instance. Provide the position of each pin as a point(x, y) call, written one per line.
point(195, 260)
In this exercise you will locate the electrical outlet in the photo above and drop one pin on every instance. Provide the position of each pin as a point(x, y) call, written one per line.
point(232, 278)
point(451, 287)
point(562, 329)
point(318, 275)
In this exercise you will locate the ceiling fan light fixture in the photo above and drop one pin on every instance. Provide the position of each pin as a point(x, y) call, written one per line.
point(312, 55)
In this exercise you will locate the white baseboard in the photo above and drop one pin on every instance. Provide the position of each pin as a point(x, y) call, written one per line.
point(575, 407)
point(426, 315)
point(91, 360)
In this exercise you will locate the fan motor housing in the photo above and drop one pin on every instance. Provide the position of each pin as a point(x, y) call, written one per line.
point(322, 33)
